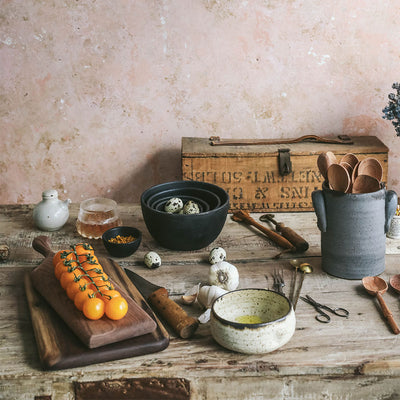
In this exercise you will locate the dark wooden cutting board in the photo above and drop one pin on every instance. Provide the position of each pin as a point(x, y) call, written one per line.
point(60, 348)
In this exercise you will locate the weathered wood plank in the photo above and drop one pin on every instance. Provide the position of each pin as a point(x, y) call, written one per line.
point(332, 359)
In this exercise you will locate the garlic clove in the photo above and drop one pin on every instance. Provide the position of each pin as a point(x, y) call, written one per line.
point(188, 300)
point(191, 295)
point(207, 295)
point(205, 317)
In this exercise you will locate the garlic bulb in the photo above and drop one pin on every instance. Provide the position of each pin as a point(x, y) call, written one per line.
point(224, 275)
point(207, 294)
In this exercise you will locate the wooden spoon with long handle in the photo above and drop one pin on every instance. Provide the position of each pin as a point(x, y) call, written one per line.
point(376, 286)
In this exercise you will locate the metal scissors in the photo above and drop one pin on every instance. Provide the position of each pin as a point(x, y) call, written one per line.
point(323, 316)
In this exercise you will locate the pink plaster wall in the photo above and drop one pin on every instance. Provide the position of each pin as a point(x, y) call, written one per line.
point(96, 95)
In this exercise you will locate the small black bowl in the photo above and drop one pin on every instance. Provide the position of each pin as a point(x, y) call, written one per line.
point(122, 249)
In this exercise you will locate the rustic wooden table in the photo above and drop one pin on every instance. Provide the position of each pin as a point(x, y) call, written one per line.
point(354, 358)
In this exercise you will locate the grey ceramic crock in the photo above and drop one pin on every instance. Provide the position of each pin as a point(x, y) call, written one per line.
point(353, 230)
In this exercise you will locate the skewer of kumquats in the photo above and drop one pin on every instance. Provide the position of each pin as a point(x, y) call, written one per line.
point(82, 277)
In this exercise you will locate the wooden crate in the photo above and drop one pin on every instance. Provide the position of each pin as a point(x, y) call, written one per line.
point(251, 176)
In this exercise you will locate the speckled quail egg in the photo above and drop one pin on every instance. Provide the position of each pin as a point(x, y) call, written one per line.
point(217, 254)
point(173, 205)
point(191, 207)
point(152, 260)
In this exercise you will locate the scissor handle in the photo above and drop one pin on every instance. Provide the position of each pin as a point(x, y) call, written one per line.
point(340, 312)
point(322, 317)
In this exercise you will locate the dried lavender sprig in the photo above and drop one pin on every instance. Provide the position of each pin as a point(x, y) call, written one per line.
point(392, 110)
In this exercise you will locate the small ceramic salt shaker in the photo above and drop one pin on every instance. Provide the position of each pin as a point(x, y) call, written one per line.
point(51, 214)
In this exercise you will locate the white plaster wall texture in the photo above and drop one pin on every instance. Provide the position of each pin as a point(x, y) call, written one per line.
point(96, 95)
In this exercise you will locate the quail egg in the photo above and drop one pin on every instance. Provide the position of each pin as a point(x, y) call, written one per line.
point(217, 254)
point(173, 205)
point(152, 260)
point(191, 207)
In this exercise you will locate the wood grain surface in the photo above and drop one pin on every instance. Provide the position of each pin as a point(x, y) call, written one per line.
point(349, 359)
point(93, 333)
point(65, 338)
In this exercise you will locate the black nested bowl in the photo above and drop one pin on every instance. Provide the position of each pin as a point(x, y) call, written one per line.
point(160, 204)
point(204, 197)
point(122, 249)
point(185, 231)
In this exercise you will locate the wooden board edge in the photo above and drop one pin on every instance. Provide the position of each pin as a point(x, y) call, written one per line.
point(42, 326)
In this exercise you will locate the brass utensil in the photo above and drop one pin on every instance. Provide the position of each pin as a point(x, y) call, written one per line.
point(377, 286)
point(295, 264)
point(305, 268)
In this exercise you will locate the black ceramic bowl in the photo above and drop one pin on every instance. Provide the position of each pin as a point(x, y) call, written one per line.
point(122, 249)
point(185, 231)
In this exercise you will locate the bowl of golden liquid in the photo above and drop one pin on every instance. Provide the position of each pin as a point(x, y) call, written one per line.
point(96, 216)
point(252, 321)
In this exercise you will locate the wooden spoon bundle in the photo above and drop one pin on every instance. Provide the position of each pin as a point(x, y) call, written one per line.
point(350, 175)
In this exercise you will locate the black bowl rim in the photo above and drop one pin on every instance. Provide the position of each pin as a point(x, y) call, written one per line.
point(138, 235)
point(203, 205)
point(222, 206)
point(150, 201)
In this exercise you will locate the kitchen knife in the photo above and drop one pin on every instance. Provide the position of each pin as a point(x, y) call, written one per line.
point(177, 318)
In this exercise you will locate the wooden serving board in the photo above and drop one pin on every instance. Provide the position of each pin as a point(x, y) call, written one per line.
point(92, 333)
point(59, 347)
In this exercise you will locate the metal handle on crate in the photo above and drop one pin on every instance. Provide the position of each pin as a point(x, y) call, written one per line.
point(341, 139)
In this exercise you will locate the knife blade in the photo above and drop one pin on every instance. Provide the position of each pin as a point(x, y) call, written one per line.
point(184, 325)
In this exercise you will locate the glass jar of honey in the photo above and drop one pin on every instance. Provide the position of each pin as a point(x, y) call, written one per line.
point(97, 215)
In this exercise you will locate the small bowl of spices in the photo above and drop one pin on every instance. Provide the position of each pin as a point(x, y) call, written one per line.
point(122, 241)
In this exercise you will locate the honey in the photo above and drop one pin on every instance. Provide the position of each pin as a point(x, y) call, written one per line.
point(97, 216)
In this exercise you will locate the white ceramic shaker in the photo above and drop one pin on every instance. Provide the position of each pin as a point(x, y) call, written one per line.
point(51, 214)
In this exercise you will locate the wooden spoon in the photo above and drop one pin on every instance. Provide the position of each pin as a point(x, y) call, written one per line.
point(377, 286)
point(350, 158)
point(339, 178)
point(365, 184)
point(395, 283)
point(355, 172)
point(324, 161)
point(372, 167)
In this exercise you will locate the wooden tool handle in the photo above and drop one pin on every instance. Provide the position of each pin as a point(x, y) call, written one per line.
point(275, 237)
point(42, 244)
point(278, 239)
point(297, 241)
point(388, 314)
point(183, 324)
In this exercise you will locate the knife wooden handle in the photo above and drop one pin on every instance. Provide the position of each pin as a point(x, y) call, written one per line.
point(177, 318)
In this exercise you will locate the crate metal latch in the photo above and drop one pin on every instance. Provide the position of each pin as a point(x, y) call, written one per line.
point(285, 165)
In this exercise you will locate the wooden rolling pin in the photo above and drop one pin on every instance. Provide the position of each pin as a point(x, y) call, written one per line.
point(297, 241)
point(244, 216)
